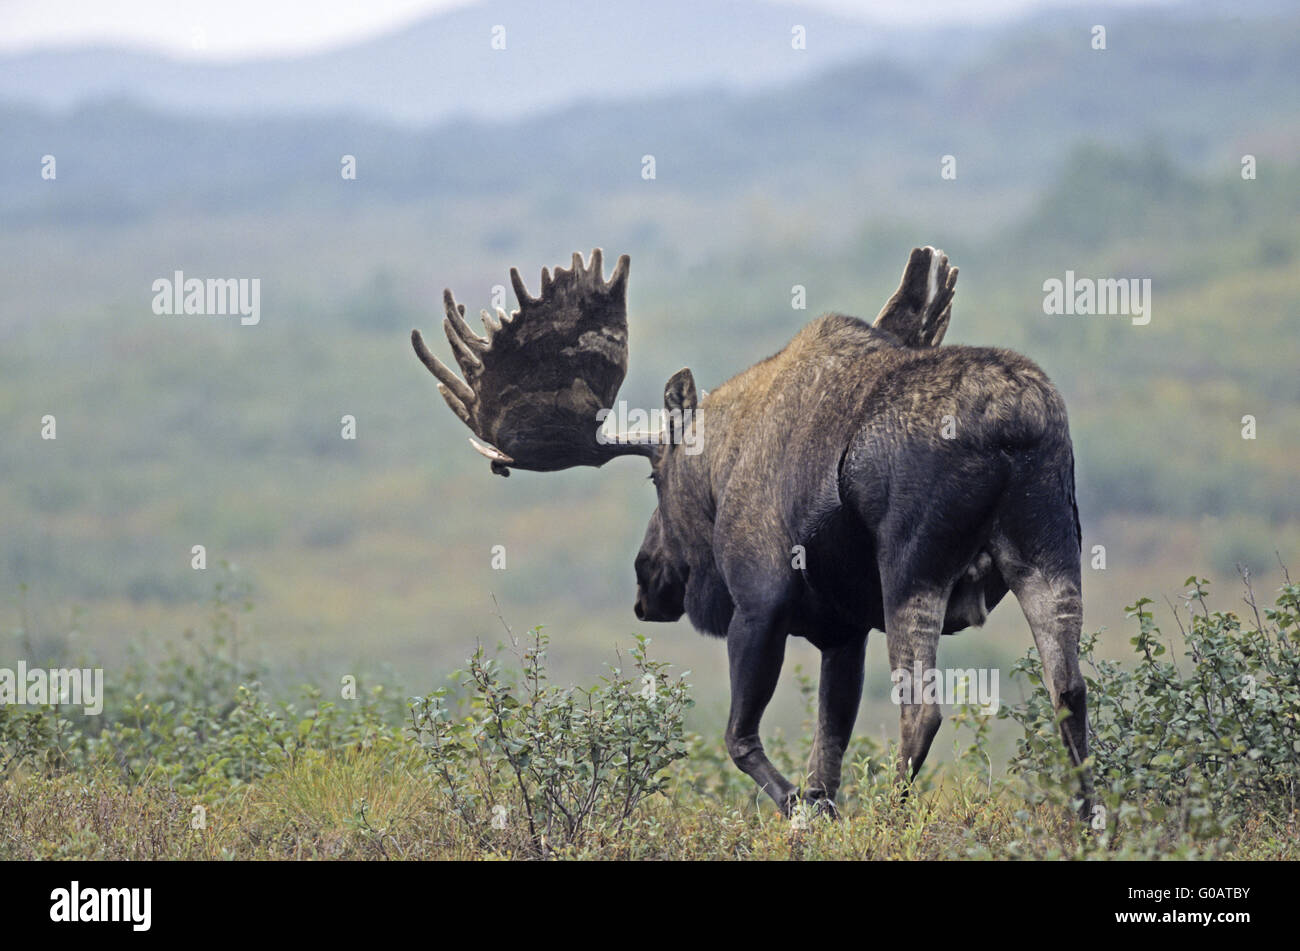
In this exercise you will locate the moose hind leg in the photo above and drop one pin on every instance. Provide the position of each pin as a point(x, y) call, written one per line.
point(1053, 607)
point(839, 693)
point(912, 625)
point(1036, 550)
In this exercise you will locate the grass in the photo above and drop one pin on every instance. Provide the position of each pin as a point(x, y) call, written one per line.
point(358, 805)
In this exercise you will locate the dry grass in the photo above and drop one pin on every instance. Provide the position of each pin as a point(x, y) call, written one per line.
point(356, 804)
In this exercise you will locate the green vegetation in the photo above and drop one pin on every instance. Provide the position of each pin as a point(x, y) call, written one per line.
point(504, 764)
point(1197, 754)
point(571, 765)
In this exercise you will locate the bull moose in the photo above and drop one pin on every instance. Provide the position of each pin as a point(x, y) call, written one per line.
point(914, 484)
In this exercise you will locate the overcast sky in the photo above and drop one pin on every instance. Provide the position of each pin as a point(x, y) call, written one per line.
point(239, 28)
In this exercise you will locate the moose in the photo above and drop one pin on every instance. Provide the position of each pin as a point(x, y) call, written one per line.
point(862, 478)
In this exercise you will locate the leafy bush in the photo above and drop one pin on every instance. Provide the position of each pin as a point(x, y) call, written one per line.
point(530, 765)
point(197, 720)
point(1181, 752)
point(29, 735)
point(1201, 760)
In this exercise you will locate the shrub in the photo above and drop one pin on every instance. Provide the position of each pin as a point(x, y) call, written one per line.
point(196, 719)
point(530, 765)
point(1176, 751)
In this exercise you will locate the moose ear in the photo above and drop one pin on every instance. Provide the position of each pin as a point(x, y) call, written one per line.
point(679, 392)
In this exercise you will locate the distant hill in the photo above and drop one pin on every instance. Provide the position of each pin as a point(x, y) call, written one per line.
point(1206, 91)
point(445, 65)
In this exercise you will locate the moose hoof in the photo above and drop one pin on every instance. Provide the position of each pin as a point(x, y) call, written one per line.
point(824, 808)
point(812, 806)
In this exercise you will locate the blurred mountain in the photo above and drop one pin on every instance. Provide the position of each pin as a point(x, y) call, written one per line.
point(446, 65)
point(1207, 91)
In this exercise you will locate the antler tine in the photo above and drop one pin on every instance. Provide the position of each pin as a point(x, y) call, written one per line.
point(933, 331)
point(521, 292)
point(456, 316)
point(457, 406)
point(453, 389)
point(618, 280)
point(465, 343)
point(500, 461)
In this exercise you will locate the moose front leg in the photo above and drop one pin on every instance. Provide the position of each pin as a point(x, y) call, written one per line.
point(839, 693)
point(755, 652)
